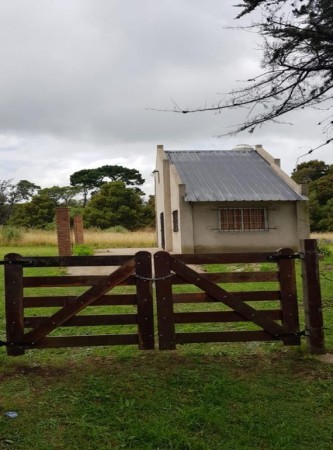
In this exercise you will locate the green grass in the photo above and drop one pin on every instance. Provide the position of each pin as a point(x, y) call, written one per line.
point(82, 250)
point(200, 397)
point(166, 401)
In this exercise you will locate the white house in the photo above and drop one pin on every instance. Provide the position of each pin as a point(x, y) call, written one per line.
point(227, 200)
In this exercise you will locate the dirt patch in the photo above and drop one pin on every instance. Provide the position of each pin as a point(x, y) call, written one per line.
point(327, 358)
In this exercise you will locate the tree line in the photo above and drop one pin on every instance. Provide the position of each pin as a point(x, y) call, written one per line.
point(110, 196)
point(107, 196)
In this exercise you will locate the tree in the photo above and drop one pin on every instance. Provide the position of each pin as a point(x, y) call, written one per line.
point(297, 59)
point(12, 194)
point(323, 188)
point(87, 180)
point(40, 211)
point(61, 195)
point(326, 223)
point(149, 215)
point(115, 204)
point(4, 187)
point(24, 190)
point(131, 177)
point(309, 171)
point(92, 179)
point(319, 177)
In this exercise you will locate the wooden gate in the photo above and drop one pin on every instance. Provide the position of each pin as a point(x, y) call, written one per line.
point(173, 299)
point(33, 331)
point(192, 302)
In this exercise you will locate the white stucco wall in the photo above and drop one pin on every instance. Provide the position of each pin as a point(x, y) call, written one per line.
point(283, 228)
point(162, 198)
point(169, 197)
point(183, 239)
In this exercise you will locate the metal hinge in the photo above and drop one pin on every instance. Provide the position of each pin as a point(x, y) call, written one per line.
point(293, 333)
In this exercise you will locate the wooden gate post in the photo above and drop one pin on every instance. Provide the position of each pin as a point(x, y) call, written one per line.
point(143, 271)
point(288, 291)
point(14, 303)
point(164, 300)
point(312, 298)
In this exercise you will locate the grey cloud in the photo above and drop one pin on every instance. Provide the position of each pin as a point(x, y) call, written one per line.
point(78, 78)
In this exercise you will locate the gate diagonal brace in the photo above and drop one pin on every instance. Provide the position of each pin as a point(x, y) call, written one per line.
point(80, 302)
point(232, 301)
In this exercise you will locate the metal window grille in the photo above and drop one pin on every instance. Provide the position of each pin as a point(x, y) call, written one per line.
point(243, 219)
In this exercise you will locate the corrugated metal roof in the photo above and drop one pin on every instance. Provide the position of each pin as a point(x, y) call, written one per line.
point(229, 175)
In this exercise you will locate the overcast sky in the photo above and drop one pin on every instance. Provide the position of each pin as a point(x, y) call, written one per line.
point(79, 78)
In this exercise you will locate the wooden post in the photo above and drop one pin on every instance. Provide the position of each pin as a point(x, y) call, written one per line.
point(312, 298)
point(14, 304)
point(164, 300)
point(143, 271)
point(289, 306)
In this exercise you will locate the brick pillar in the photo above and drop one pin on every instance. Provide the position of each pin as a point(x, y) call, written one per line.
point(78, 230)
point(63, 231)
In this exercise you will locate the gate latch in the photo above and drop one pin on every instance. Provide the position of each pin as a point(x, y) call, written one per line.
point(22, 262)
point(278, 256)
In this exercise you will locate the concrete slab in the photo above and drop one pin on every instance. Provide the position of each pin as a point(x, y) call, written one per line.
point(124, 251)
point(106, 270)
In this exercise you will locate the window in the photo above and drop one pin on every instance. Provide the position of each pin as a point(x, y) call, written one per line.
point(243, 219)
point(175, 225)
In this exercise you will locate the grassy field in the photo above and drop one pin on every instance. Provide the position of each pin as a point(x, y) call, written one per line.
point(200, 397)
point(93, 238)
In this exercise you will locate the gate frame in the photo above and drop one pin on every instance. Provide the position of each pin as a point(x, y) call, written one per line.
point(166, 266)
point(140, 265)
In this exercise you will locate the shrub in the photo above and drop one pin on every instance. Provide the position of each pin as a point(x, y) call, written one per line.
point(82, 250)
point(117, 229)
point(324, 248)
point(50, 226)
point(10, 234)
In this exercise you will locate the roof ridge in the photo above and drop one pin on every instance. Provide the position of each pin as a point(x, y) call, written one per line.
point(250, 150)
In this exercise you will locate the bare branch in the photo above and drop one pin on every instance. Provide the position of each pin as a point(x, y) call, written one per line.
point(298, 63)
